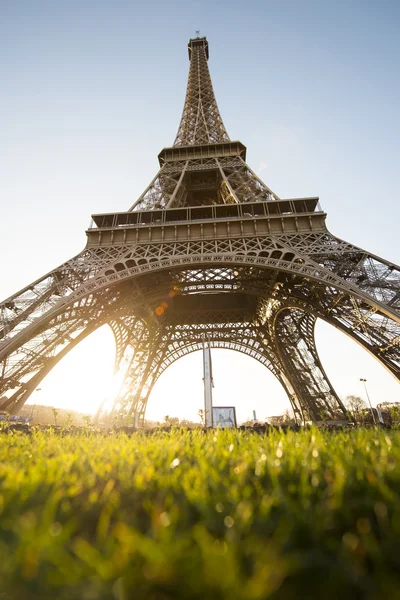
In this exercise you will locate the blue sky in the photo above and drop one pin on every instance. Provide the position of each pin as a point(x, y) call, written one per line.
point(93, 90)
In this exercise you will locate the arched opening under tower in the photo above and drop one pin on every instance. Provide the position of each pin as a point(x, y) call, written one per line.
point(239, 380)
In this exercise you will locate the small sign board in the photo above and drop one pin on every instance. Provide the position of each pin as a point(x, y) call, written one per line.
point(224, 416)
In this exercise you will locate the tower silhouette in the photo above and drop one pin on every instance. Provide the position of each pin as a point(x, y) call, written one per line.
point(207, 250)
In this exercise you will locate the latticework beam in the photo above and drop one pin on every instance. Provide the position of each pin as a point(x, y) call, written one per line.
point(201, 121)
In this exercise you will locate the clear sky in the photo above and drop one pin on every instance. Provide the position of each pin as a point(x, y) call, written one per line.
point(91, 92)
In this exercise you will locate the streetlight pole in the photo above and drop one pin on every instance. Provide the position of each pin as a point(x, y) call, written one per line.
point(369, 399)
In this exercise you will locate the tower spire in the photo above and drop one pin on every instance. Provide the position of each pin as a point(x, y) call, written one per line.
point(201, 122)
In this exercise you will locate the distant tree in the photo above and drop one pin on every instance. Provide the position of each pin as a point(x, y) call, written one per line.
point(147, 424)
point(202, 415)
point(189, 424)
point(277, 420)
point(87, 420)
point(248, 423)
point(45, 415)
point(171, 421)
point(394, 410)
point(287, 418)
point(55, 415)
point(356, 407)
point(68, 420)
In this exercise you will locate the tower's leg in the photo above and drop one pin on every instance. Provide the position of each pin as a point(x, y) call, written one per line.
point(125, 331)
point(362, 275)
point(132, 359)
point(143, 354)
point(377, 333)
point(295, 344)
point(43, 299)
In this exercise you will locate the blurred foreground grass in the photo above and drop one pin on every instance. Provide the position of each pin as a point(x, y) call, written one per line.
point(187, 515)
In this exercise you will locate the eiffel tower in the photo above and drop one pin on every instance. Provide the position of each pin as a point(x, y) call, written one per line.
point(207, 250)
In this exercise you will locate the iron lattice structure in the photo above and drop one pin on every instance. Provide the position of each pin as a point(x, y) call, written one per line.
point(208, 249)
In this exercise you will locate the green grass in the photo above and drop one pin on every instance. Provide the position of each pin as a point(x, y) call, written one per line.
point(229, 515)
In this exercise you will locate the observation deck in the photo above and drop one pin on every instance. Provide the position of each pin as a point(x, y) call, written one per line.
point(205, 222)
point(202, 151)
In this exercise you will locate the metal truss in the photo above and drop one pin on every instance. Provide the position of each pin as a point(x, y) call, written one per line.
point(198, 182)
point(50, 325)
point(171, 340)
point(294, 337)
point(208, 248)
point(201, 121)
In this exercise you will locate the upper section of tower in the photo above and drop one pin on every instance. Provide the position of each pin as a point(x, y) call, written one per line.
point(201, 122)
point(198, 41)
point(204, 167)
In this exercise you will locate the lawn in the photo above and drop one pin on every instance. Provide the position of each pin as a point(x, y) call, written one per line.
point(223, 515)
